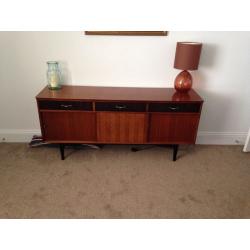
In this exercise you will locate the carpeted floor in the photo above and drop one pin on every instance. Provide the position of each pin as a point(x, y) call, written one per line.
point(205, 182)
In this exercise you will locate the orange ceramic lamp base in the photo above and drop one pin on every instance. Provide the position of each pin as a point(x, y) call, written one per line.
point(183, 82)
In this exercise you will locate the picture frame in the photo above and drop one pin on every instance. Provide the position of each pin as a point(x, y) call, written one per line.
point(127, 33)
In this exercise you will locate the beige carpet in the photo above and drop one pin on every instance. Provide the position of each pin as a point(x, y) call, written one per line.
point(205, 182)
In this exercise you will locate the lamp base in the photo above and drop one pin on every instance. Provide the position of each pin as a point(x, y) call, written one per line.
point(183, 82)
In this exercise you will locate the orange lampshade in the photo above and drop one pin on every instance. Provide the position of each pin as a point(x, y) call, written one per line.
point(187, 55)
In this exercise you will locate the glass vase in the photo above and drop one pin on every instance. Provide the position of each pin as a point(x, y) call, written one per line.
point(53, 75)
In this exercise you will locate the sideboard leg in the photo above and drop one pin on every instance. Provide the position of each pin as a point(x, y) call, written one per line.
point(175, 151)
point(62, 151)
point(139, 148)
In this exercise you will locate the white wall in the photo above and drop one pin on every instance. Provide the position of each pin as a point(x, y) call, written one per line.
point(223, 78)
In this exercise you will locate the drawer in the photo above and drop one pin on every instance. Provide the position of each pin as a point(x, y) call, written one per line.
point(120, 106)
point(65, 105)
point(174, 107)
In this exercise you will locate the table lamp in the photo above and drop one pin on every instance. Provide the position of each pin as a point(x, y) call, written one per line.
point(187, 57)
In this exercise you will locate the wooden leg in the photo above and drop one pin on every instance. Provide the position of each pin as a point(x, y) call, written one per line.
point(175, 150)
point(139, 148)
point(62, 151)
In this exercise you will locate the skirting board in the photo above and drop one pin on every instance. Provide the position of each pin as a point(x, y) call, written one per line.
point(221, 138)
point(18, 135)
point(211, 138)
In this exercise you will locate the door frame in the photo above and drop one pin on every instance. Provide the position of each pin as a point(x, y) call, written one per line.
point(247, 143)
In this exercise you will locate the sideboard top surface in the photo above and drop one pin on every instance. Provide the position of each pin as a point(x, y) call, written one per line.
point(69, 92)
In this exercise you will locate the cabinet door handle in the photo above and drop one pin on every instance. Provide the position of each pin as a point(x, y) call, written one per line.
point(66, 106)
point(173, 108)
point(120, 106)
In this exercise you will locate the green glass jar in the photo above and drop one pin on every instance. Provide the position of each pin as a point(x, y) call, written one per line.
point(53, 75)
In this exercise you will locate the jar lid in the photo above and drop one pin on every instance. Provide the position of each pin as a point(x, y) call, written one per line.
point(52, 62)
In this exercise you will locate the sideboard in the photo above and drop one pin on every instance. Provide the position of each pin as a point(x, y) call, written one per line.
point(114, 115)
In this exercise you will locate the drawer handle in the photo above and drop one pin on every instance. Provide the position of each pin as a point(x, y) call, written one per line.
point(120, 106)
point(66, 106)
point(173, 108)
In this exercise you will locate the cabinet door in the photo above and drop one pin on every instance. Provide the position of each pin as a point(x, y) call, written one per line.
point(121, 127)
point(173, 128)
point(69, 126)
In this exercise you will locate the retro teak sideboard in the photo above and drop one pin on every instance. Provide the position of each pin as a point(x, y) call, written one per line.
point(112, 115)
